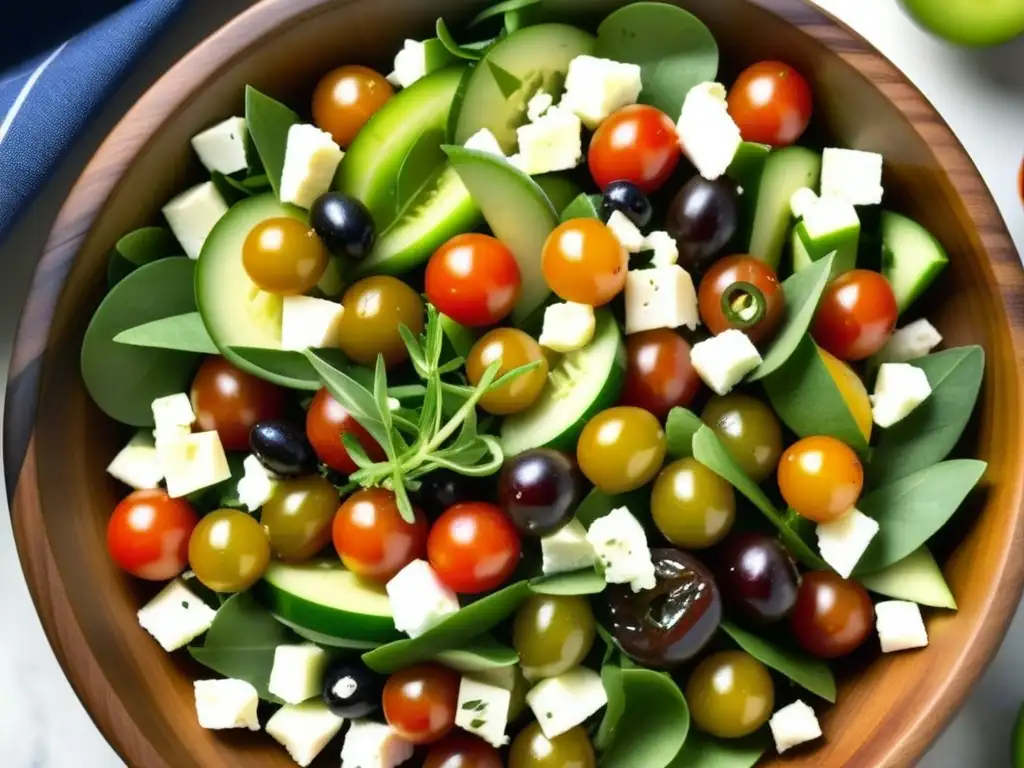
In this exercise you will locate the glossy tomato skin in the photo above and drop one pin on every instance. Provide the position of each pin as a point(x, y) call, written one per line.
point(757, 576)
point(771, 103)
point(703, 217)
point(229, 551)
point(375, 309)
point(659, 374)
point(284, 256)
point(856, 316)
point(738, 279)
point(473, 547)
point(692, 506)
point(730, 694)
point(540, 490)
point(474, 279)
point(749, 430)
point(514, 349)
point(299, 516)
point(552, 634)
point(231, 402)
point(584, 262)
point(345, 98)
point(637, 144)
point(462, 750)
point(371, 537)
point(419, 702)
point(833, 616)
point(532, 749)
point(621, 449)
point(820, 478)
point(326, 421)
point(148, 534)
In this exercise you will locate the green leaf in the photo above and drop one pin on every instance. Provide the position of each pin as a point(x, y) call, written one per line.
point(809, 673)
point(911, 510)
point(325, 640)
point(583, 582)
point(673, 48)
point(257, 183)
point(383, 414)
point(654, 723)
point(916, 578)
point(507, 83)
point(269, 122)
point(500, 8)
point(703, 751)
point(597, 504)
point(802, 292)
point(611, 678)
point(139, 248)
point(448, 41)
point(420, 168)
point(932, 429)
point(355, 397)
point(480, 655)
point(185, 333)
point(295, 367)
point(583, 207)
point(231, 189)
point(680, 427)
point(460, 338)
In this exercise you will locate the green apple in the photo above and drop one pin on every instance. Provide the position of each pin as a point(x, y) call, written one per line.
point(970, 22)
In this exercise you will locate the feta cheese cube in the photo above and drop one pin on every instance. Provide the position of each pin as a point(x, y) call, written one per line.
point(899, 389)
point(538, 104)
point(567, 327)
point(844, 541)
point(482, 709)
point(620, 543)
point(626, 231)
point(665, 247)
point(563, 702)
point(193, 214)
point(410, 64)
point(793, 725)
point(852, 175)
point(910, 342)
point(552, 143)
point(419, 599)
point(484, 140)
point(661, 297)
point(224, 704)
point(567, 550)
point(192, 462)
point(311, 157)
point(595, 88)
point(707, 133)
point(900, 626)
point(257, 484)
point(172, 416)
point(373, 745)
point(802, 201)
point(723, 360)
point(829, 214)
point(175, 617)
point(308, 322)
point(222, 148)
point(304, 729)
point(137, 464)
point(297, 673)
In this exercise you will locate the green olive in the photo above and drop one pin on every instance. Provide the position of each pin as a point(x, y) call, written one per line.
point(552, 634)
point(749, 430)
point(228, 551)
point(692, 506)
point(299, 515)
point(621, 449)
point(730, 695)
point(532, 749)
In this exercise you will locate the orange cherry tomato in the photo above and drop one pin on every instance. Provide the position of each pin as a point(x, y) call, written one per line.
point(230, 402)
point(419, 702)
point(148, 534)
point(742, 292)
point(326, 421)
point(474, 279)
point(820, 478)
point(637, 144)
point(371, 537)
point(514, 349)
point(771, 103)
point(584, 262)
point(659, 374)
point(856, 316)
point(345, 98)
point(473, 547)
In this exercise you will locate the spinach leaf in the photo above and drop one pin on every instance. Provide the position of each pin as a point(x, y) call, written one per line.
point(702, 751)
point(680, 427)
point(654, 722)
point(231, 189)
point(812, 674)
point(916, 578)
point(583, 582)
point(480, 655)
point(615, 690)
point(583, 207)
point(296, 369)
point(448, 41)
point(674, 49)
point(256, 184)
point(186, 333)
point(139, 248)
point(499, 8)
point(597, 504)
point(269, 122)
point(325, 640)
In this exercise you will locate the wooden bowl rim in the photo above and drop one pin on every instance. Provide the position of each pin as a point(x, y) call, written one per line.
point(147, 118)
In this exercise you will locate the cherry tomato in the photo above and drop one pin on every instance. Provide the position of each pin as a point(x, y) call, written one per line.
point(742, 292)
point(832, 616)
point(820, 478)
point(371, 537)
point(229, 551)
point(474, 279)
point(532, 749)
point(730, 694)
point(771, 103)
point(345, 98)
point(284, 256)
point(659, 374)
point(852, 390)
point(148, 534)
point(584, 262)
point(462, 750)
point(375, 308)
point(856, 316)
point(299, 516)
point(514, 349)
point(419, 702)
point(636, 144)
point(473, 547)
point(621, 449)
point(326, 421)
point(231, 402)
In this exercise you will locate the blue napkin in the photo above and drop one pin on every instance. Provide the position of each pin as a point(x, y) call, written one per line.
point(47, 101)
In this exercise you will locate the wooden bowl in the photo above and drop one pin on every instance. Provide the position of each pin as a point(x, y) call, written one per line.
point(57, 443)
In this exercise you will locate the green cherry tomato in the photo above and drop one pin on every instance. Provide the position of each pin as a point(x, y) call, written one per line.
point(692, 506)
point(730, 694)
point(228, 551)
point(375, 309)
point(298, 517)
point(749, 430)
point(621, 449)
point(532, 749)
point(552, 634)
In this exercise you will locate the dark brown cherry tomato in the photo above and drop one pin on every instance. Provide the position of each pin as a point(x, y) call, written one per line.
point(375, 308)
point(345, 98)
point(514, 349)
point(419, 702)
point(832, 615)
point(462, 750)
point(771, 103)
point(326, 421)
point(584, 262)
point(473, 547)
point(659, 374)
point(284, 256)
point(148, 534)
point(637, 144)
point(703, 218)
point(231, 402)
point(371, 537)
point(757, 576)
point(540, 490)
point(742, 292)
point(856, 316)
point(474, 279)
point(820, 478)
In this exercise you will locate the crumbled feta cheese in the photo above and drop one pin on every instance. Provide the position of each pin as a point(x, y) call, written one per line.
point(665, 247)
point(410, 64)
point(910, 342)
point(304, 729)
point(552, 143)
point(567, 550)
point(373, 745)
point(224, 704)
point(802, 201)
point(193, 214)
point(723, 360)
point(539, 104)
point(620, 543)
point(297, 673)
point(567, 327)
point(482, 709)
point(626, 231)
point(793, 725)
point(900, 626)
point(851, 175)
point(844, 541)
point(419, 599)
point(137, 464)
point(192, 462)
point(563, 702)
point(310, 323)
point(222, 147)
point(660, 297)
point(595, 88)
point(175, 617)
point(899, 389)
point(172, 415)
point(828, 215)
point(257, 484)
point(484, 140)
point(707, 133)
point(311, 157)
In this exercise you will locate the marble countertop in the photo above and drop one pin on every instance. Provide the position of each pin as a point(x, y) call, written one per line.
point(980, 94)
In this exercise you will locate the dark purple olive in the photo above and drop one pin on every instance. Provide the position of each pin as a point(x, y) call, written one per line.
point(344, 224)
point(670, 624)
point(625, 196)
point(703, 217)
point(351, 689)
point(540, 490)
point(282, 448)
point(758, 578)
point(443, 489)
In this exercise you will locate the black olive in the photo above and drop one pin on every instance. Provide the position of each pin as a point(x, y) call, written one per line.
point(344, 224)
point(703, 218)
point(540, 490)
point(443, 489)
point(757, 576)
point(351, 689)
point(626, 197)
point(282, 448)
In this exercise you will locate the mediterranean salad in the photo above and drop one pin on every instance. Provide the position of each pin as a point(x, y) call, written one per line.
point(512, 409)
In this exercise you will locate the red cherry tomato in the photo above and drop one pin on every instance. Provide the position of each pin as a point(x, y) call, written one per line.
point(419, 702)
point(659, 375)
point(856, 316)
point(326, 421)
point(371, 537)
point(473, 547)
point(771, 103)
point(752, 293)
point(462, 750)
point(637, 144)
point(474, 279)
point(230, 401)
point(148, 534)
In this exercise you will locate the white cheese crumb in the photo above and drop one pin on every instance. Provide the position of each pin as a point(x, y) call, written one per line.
point(900, 626)
point(552, 143)
point(176, 616)
point(222, 147)
point(596, 88)
point(844, 541)
point(419, 599)
point(910, 342)
point(626, 231)
point(222, 704)
point(707, 133)
point(484, 140)
point(665, 247)
point(899, 389)
point(563, 702)
point(567, 327)
point(620, 543)
point(410, 64)
point(661, 297)
point(723, 360)
point(852, 175)
point(540, 103)
point(567, 550)
point(793, 725)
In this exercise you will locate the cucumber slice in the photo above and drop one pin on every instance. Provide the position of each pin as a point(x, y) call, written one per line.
point(518, 212)
point(580, 385)
point(916, 578)
point(911, 258)
point(560, 190)
point(324, 597)
point(538, 57)
point(830, 227)
point(785, 171)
